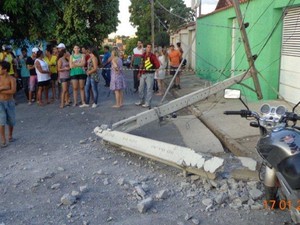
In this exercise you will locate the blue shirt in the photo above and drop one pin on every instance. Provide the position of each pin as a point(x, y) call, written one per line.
point(24, 70)
point(105, 59)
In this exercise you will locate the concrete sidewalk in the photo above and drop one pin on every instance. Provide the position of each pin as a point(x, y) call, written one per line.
point(234, 132)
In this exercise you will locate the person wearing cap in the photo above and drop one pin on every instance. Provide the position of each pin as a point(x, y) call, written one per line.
point(62, 46)
point(175, 57)
point(33, 78)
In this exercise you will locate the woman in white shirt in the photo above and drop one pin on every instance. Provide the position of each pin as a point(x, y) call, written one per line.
point(43, 77)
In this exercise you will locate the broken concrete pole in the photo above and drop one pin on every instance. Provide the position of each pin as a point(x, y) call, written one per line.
point(248, 163)
point(174, 155)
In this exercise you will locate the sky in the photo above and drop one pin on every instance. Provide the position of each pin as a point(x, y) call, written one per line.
point(125, 28)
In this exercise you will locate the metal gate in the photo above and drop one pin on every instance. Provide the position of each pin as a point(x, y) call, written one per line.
point(289, 86)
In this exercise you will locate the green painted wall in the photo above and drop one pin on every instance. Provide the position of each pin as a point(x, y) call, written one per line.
point(214, 44)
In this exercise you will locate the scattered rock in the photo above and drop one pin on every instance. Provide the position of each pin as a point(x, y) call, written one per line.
point(139, 190)
point(154, 210)
point(256, 206)
point(195, 177)
point(121, 181)
point(224, 187)
point(207, 201)
point(145, 187)
point(163, 194)
point(83, 188)
point(106, 182)
point(133, 183)
point(214, 184)
point(195, 221)
point(99, 172)
point(76, 194)
point(184, 184)
point(67, 199)
point(255, 194)
point(55, 186)
point(145, 205)
point(192, 194)
point(83, 141)
point(187, 217)
point(221, 198)
point(60, 169)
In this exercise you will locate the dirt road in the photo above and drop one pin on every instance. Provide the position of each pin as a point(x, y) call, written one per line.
point(59, 172)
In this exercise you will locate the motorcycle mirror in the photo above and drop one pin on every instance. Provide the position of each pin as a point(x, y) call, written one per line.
point(232, 93)
point(295, 106)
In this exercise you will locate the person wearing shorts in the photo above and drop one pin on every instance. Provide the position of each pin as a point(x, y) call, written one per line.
point(8, 88)
point(78, 75)
point(33, 77)
point(63, 68)
point(43, 77)
point(174, 57)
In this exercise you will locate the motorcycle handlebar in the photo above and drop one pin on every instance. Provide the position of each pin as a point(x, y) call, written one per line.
point(242, 113)
point(292, 116)
point(232, 112)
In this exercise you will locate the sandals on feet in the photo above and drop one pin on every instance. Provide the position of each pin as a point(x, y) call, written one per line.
point(11, 140)
point(3, 145)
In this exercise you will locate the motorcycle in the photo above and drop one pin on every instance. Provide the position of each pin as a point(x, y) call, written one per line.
point(279, 148)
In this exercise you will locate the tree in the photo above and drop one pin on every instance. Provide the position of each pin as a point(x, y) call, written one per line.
point(169, 16)
point(130, 45)
point(162, 39)
point(69, 21)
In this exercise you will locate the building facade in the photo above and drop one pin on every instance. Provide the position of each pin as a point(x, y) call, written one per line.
point(186, 36)
point(274, 36)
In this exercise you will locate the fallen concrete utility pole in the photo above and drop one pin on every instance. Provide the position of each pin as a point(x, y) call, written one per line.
point(186, 159)
point(157, 113)
point(173, 155)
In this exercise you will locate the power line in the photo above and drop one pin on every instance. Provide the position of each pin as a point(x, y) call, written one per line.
point(169, 10)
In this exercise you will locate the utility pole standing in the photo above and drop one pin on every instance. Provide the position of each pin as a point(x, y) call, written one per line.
point(250, 59)
point(152, 24)
point(199, 8)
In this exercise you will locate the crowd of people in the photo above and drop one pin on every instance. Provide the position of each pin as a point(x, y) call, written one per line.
point(149, 70)
point(56, 69)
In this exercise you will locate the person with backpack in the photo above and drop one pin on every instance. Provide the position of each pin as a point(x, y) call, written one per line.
point(149, 65)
